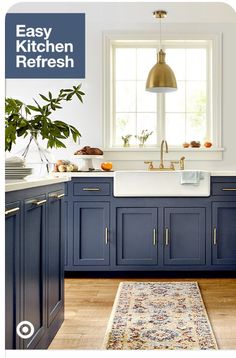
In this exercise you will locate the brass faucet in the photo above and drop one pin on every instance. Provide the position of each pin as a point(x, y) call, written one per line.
point(161, 165)
point(163, 142)
point(181, 163)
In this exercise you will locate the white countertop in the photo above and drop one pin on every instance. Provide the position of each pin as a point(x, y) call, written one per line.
point(32, 183)
point(105, 174)
point(55, 178)
point(228, 173)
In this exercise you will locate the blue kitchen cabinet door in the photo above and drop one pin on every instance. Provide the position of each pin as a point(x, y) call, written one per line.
point(184, 236)
point(67, 232)
point(136, 236)
point(12, 271)
point(91, 234)
point(55, 256)
point(34, 267)
point(224, 233)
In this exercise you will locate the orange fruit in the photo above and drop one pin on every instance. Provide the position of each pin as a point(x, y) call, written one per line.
point(207, 144)
point(106, 166)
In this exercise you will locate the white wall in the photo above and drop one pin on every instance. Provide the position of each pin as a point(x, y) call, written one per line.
point(88, 117)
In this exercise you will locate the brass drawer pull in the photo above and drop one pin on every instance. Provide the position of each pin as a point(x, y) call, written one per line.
point(228, 189)
point(214, 236)
point(11, 211)
point(40, 202)
point(154, 237)
point(91, 189)
point(57, 196)
point(106, 235)
point(167, 236)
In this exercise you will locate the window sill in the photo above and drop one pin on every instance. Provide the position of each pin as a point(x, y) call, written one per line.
point(151, 153)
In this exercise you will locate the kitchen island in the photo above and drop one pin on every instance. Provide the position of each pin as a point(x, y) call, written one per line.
point(34, 253)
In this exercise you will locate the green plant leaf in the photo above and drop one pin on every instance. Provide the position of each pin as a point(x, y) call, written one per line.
point(44, 97)
point(19, 124)
point(67, 90)
point(33, 108)
point(27, 110)
point(79, 96)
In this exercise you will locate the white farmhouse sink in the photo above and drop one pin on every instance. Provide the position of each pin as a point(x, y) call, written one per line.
point(158, 183)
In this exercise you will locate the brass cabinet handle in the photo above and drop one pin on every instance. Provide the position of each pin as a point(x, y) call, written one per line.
point(154, 237)
point(214, 236)
point(57, 196)
point(167, 236)
point(40, 202)
point(106, 235)
point(11, 211)
point(228, 189)
point(91, 189)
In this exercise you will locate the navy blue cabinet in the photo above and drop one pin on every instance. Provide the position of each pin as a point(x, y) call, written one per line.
point(55, 255)
point(107, 233)
point(91, 233)
point(184, 236)
point(34, 267)
point(12, 271)
point(224, 233)
point(87, 224)
point(136, 236)
point(67, 227)
point(34, 264)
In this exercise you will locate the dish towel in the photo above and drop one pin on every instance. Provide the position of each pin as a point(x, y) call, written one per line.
point(191, 177)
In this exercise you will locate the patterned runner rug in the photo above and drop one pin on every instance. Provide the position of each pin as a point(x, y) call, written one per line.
point(159, 315)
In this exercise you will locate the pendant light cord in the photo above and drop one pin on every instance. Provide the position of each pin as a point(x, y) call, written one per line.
point(160, 35)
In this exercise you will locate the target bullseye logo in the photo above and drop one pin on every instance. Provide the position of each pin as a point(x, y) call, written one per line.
point(25, 329)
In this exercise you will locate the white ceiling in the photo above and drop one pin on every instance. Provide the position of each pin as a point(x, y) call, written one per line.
point(139, 12)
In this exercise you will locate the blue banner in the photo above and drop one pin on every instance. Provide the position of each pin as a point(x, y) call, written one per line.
point(45, 45)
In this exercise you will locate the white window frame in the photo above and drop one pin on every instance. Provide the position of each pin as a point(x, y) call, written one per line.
point(112, 39)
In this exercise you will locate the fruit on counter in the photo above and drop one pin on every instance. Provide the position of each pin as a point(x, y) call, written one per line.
point(195, 144)
point(186, 145)
point(87, 150)
point(65, 166)
point(60, 162)
point(62, 168)
point(208, 144)
point(106, 166)
point(69, 167)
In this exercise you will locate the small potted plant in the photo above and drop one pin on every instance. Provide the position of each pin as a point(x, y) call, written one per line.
point(126, 139)
point(143, 137)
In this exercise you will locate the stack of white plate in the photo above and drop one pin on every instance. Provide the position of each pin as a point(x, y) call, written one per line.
point(15, 169)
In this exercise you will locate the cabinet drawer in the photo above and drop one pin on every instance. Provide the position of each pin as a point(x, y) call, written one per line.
point(224, 189)
point(86, 188)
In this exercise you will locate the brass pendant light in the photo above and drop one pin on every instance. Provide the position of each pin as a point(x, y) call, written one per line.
point(161, 78)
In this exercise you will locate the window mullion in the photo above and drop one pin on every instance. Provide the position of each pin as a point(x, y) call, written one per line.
point(136, 93)
point(161, 116)
point(209, 124)
point(113, 104)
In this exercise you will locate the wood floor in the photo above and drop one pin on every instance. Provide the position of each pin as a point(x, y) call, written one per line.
point(88, 304)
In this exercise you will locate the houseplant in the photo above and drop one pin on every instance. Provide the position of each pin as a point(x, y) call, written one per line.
point(143, 137)
point(25, 119)
point(33, 121)
point(126, 139)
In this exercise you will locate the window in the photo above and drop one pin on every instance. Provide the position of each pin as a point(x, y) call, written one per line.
point(190, 113)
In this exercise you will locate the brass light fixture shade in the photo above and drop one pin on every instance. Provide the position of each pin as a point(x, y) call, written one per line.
point(161, 78)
